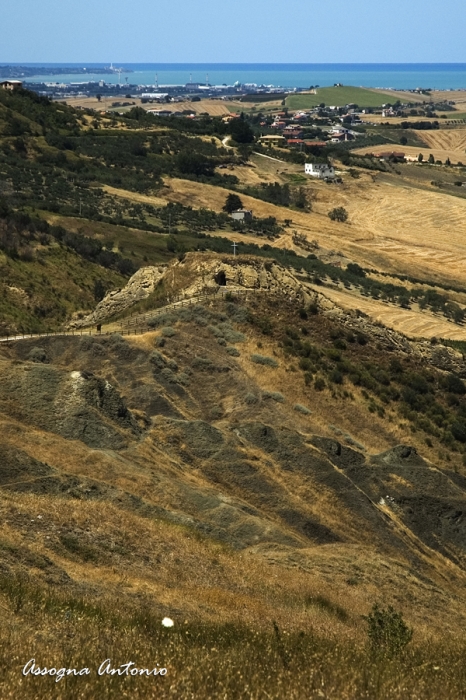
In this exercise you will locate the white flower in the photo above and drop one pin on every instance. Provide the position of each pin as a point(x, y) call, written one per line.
point(167, 622)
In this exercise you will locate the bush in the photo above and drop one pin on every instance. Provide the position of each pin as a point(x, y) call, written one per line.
point(37, 355)
point(263, 360)
point(275, 395)
point(250, 398)
point(338, 214)
point(387, 631)
point(336, 376)
point(234, 352)
point(168, 331)
point(319, 384)
point(301, 409)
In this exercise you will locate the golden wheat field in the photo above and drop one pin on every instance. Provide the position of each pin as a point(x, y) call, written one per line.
point(446, 140)
point(440, 151)
point(391, 227)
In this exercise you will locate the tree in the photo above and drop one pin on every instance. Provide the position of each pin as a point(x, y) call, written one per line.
point(431, 159)
point(99, 290)
point(420, 158)
point(300, 199)
point(338, 214)
point(232, 203)
point(448, 161)
point(240, 131)
point(403, 140)
point(192, 163)
point(99, 97)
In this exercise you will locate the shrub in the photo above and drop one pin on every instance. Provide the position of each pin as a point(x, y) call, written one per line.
point(37, 355)
point(275, 395)
point(202, 363)
point(263, 360)
point(168, 331)
point(157, 359)
point(160, 320)
point(234, 352)
point(250, 398)
point(301, 409)
point(336, 376)
point(387, 631)
point(319, 384)
point(454, 385)
point(338, 214)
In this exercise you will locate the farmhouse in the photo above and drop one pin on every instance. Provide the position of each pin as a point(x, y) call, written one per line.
point(322, 171)
point(272, 140)
point(242, 215)
point(10, 84)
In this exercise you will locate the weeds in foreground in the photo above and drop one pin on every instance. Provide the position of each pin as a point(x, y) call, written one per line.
point(206, 660)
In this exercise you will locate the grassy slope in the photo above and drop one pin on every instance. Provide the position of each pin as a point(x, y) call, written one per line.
point(102, 573)
point(51, 288)
point(340, 96)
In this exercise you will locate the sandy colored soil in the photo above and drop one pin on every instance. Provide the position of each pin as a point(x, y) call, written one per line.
point(411, 322)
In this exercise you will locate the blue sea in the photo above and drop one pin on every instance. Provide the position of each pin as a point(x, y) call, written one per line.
point(440, 76)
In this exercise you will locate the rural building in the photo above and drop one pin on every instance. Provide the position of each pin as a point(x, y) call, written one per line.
point(272, 140)
point(10, 84)
point(389, 155)
point(160, 112)
point(242, 215)
point(320, 170)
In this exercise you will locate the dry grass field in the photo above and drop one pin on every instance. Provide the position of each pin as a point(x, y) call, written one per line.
point(395, 228)
point(216, 108)
point(440, 151)
point(413, 323)
point(450, 140)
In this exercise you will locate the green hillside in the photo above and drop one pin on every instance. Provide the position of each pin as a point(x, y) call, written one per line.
point(340, 96)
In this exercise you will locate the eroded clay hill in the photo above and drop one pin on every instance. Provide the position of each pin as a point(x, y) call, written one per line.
point(206, 424)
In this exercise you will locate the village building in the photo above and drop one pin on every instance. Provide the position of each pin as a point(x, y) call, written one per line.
point(272, 140)
point(243, 215)
point(11, 84)
point(322, 171)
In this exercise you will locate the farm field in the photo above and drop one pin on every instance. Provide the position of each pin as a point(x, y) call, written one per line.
point(340, 96)
point(445, 139)
point(396, 228)
point(439, 153)
point(214, 108)
point(411, 322)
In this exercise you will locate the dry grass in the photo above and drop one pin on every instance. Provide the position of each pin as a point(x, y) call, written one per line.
point(449, 140)
point(413, 323)
point(440, 150)
point(392, 226)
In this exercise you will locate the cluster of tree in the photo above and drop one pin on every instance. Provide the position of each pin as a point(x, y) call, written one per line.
point(19, 232)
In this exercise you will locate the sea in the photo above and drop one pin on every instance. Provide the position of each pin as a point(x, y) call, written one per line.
point(402, 76)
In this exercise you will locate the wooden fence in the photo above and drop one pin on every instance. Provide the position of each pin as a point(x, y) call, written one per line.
point(138, 324)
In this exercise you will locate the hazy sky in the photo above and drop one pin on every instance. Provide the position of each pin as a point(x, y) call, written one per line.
point(233, 31)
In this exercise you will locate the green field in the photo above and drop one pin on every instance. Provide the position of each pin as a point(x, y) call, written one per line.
point(340, 96)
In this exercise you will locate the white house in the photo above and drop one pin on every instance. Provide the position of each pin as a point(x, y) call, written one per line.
point(319, 170)
point(242, 215)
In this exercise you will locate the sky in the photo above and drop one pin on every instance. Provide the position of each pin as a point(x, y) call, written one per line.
point(233, 31)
